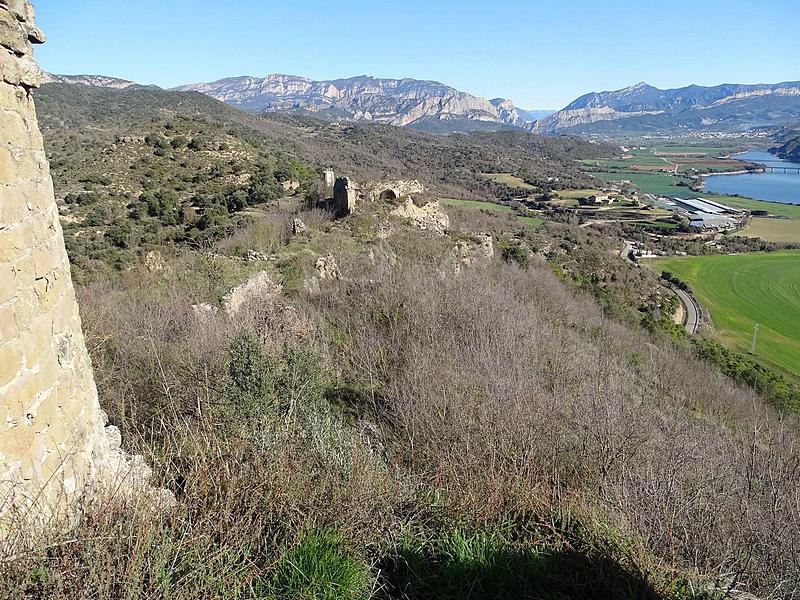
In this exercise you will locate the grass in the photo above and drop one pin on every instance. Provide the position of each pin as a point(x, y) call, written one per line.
point(650, 183)
point(777, 209)
point(320, 567)
point(488, 566)
point(509, 180)
point(479, 205)
point(740, 291)
point(773, 230)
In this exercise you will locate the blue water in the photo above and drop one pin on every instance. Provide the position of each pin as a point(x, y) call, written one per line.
point(777, 187)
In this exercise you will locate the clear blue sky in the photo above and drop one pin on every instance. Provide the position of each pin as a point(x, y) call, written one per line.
point(541, 54)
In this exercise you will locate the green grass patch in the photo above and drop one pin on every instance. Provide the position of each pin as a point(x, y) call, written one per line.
point(509, 180)
point(740, 291)
point(479, 205)
point(319, 567)
point(653, 183)
point(774, 208)
point(491, 566)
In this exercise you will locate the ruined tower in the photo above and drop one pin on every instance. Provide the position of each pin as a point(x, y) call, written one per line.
point(344, 197)
point(55, 447)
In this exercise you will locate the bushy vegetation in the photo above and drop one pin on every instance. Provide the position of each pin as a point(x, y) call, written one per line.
point(396, 435)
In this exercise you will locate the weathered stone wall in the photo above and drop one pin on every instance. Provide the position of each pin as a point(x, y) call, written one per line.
point(54, 446)
point(344, 197)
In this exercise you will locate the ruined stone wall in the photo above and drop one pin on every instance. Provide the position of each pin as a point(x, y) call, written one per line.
point(54, 446)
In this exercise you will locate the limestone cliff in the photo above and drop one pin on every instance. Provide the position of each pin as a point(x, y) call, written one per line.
point(55, 447)
point(398, 102)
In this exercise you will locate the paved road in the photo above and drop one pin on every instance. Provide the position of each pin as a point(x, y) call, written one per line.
point(692, 311)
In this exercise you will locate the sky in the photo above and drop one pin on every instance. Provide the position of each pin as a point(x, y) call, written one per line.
point(541, 54)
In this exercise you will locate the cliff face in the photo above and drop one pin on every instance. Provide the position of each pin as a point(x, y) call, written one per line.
point(397, 102)
point(54, 445)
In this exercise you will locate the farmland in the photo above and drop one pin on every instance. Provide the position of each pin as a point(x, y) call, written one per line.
point(479, 205)
point(740, 291)
point(773, 230)
point(509, 180)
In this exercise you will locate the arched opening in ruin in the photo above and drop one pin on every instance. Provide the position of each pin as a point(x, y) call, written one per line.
point(389, 194)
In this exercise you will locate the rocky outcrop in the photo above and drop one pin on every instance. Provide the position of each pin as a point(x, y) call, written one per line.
point(327, 269)
point(259, 285)
point(344, 197)
point(429, 217)
point(56, 452)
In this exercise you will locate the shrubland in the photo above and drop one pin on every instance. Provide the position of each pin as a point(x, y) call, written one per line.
point(416, 431)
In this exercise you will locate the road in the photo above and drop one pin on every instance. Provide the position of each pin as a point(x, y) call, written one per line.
point(625, 253)
point(692, 311)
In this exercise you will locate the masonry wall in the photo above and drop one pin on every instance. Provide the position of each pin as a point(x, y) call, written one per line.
point(54, 446)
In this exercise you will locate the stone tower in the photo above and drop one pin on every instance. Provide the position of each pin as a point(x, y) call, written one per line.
point(54, 445)
point(344, 197)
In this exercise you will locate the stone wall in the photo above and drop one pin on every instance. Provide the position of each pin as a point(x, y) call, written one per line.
point(344, 197)
point(54, 445)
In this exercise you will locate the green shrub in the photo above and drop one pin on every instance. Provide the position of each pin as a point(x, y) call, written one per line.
point(514, 253)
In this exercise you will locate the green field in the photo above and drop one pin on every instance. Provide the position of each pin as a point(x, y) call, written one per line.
point(652, 183)
point(773, 230)
point(774, 208)
point(479, 205)
point(740, 291)
point(509, 180)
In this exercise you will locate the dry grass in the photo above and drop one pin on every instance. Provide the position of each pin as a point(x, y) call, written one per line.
point(490, 400)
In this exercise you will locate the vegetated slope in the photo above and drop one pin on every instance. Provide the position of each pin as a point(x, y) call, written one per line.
point(745, 290)
point(398, 102)
point(448, 165)
point(789, 149)
point(642, 108)
point(418, 430)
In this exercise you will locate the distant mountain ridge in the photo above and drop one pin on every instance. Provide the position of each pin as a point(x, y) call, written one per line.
point(399, 102)
point(91, 80)
point(643, 108)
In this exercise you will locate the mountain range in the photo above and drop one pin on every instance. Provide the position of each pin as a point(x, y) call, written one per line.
point(642, 108)
point(399, 102)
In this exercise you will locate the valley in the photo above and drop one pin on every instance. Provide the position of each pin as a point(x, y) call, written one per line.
point(375, 338)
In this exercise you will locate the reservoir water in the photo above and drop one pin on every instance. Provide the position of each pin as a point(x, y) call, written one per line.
point(777, 187)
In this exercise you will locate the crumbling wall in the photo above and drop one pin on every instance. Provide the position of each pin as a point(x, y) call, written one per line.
point(54, 445)
point(344, 197)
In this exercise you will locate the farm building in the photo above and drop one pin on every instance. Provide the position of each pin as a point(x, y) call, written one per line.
point(707, 214)
point(711, 221)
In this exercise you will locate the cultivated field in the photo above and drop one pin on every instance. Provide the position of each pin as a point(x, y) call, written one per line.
point(509, 180)
point(773, 230)
point(740, 291)
point(479, 205)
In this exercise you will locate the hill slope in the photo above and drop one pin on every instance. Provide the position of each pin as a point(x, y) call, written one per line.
point(448, 165)
point(644, 108)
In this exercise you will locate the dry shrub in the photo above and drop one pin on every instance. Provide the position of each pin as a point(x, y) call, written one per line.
point(511, 395)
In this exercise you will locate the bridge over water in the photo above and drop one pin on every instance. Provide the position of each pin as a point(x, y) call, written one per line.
point(788, 170)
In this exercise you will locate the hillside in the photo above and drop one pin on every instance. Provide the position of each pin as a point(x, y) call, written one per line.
point(399, 102)
point(789, 149)
point(642, 108)
point(446, 164)
point(370, 399)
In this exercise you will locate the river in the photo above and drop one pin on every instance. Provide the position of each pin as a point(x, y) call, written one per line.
point(777, 187)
